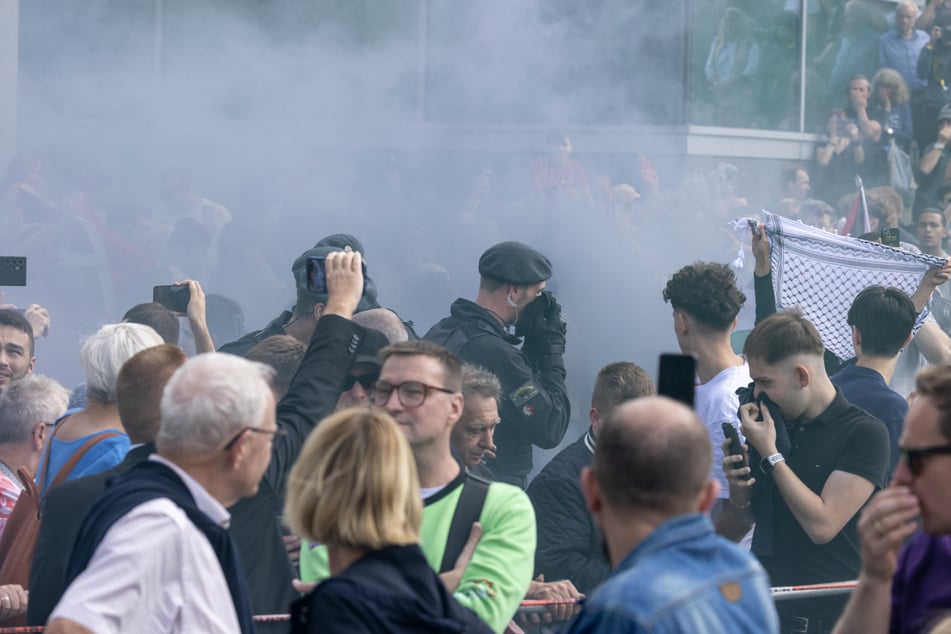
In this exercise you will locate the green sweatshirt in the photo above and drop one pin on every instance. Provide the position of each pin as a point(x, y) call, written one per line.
point(497, 578)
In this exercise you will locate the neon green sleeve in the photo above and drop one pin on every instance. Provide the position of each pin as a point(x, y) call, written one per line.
point(497, 578)
point(313, 562)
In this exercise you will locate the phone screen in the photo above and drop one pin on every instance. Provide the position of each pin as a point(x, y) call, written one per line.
point(736, 447)
point(174, 298)
point(316, 275)
point(677, 377)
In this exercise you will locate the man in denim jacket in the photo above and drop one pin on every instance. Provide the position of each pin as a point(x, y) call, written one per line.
point(649, 487)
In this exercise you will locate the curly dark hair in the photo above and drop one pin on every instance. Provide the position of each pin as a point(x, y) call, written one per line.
point(707, 292)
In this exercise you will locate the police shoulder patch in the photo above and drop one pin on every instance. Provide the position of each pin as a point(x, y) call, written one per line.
point(524, 393)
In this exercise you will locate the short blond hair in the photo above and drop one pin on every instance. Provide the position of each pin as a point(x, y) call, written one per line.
point(355, 484)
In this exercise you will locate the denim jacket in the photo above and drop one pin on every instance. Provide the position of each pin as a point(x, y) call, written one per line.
point(682, 578)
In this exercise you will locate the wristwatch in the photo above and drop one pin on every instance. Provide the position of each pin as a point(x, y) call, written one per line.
point(769, 463)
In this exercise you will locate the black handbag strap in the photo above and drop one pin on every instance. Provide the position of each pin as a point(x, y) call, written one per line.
point(467, 512)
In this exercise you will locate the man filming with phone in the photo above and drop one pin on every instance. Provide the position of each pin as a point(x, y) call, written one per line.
point(815, 460)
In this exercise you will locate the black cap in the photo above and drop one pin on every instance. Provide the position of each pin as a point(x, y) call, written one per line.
point(370, 347)
point(341, 240)
point(299, 269)
point(515, 263)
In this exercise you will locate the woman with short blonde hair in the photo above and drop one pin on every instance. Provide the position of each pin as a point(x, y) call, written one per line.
point(355, 490)
point(355, 484)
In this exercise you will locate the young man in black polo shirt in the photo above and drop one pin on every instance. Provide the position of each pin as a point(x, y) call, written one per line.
point(816, 460)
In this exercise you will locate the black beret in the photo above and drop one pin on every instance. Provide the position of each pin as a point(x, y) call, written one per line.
point(515, 263)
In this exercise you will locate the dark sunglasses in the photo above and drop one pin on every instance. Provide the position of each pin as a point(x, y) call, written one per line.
point(366, 381)
point(915, 458)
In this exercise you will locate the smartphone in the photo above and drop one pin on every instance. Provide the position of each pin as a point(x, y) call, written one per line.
point(12, 270)
point(317, 275)
point(174, 298)
point(736, 447)
point(677, 377)
point(890, 237)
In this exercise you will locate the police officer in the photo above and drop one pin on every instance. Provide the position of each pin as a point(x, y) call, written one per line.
point(534, 401)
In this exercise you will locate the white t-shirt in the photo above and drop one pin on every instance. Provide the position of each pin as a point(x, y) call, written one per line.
point(716, 402)
point(154, 572)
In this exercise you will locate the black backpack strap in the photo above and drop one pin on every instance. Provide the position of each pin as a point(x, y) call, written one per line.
point(467, 512)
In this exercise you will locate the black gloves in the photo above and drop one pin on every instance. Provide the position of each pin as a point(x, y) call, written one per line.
point(542, 326)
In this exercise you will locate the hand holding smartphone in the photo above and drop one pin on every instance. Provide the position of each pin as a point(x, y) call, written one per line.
point(175, 298)
point(736, 447)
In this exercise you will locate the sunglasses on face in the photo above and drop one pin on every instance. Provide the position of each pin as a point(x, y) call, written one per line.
point(366, 381)
point(915, 458)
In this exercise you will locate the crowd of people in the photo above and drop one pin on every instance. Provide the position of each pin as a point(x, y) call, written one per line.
point(378, 456)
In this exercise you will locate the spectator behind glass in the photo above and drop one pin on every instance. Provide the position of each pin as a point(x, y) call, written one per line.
point(899, 48)
point(934, 166)
point(731, 68)
point(354, 489)
point(934, 66)
point(891, 109)
point(102, 356)
point(857, 53)
point(28, 407)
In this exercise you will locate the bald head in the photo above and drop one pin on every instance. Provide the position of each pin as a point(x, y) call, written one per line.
point(652, 454)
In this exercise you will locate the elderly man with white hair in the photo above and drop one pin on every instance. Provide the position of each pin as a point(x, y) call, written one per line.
point(154, 553)
point(28, 407)
point(96, 431)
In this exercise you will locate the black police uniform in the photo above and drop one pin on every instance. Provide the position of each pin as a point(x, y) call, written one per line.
point(534, 400)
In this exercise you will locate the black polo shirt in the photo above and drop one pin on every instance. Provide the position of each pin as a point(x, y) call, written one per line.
point(842, 438)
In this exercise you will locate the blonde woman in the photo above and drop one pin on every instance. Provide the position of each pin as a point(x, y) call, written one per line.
point(354, 489)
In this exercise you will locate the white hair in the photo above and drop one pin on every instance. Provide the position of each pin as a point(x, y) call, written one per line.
point(209, 400)
point(28, 402)
point(385, 321)
point(103, 354)
point(907, 3)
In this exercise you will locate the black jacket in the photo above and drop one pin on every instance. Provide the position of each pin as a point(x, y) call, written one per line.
point(63, 512)
point(242, 346)
point(534, 400)
point(255, 523)
point(312, 395)
point(568, 543)
point(388, 590)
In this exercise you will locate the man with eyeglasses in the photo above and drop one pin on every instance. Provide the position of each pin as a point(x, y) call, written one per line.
point(904, 585)
point(153, 552)
point(420, 385)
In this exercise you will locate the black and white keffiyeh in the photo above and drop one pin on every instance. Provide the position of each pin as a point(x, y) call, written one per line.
point(821, 273)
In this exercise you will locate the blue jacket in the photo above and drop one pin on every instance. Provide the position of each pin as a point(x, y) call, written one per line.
point(682, 578)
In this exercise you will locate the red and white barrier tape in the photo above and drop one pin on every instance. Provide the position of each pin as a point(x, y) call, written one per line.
point(782, 593)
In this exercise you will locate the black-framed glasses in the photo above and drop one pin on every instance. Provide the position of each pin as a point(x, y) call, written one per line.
point(915, 458)
point(366, 381)
point(410, 393)
point(254, 430)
